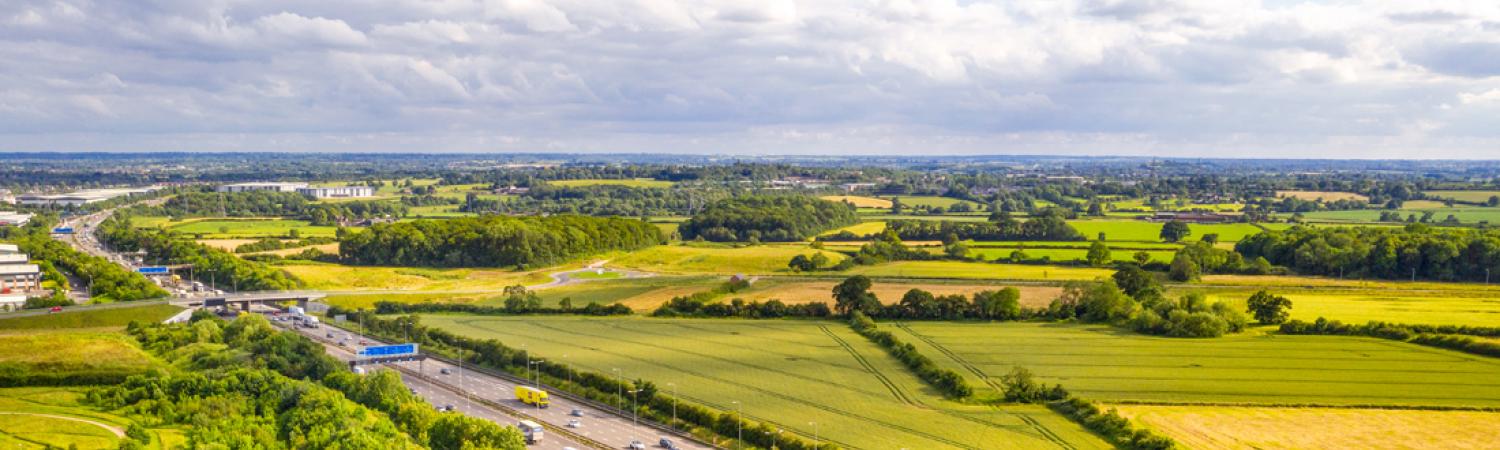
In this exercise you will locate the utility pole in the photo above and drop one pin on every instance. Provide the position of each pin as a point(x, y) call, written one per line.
point(619, 383)
point(739, 428)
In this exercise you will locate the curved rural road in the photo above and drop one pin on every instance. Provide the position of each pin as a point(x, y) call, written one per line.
point(119, 432)
point(565, 278)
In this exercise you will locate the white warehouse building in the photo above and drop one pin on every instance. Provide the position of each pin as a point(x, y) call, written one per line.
point(261, 186)
point(338, 191)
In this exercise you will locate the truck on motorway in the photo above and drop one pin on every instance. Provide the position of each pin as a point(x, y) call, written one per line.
point(297, 310)
point(532, 431)
point(310, 321)
point(532, 396)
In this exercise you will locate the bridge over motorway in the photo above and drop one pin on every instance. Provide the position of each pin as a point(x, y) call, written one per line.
point(243, 300)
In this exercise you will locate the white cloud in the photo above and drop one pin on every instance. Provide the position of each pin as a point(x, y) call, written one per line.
point(1071, 76)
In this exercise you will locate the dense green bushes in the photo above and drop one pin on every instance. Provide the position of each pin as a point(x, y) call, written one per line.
point(1049, 225)
point(269, 244)
point(1143, 308)
point(1381, 252)
point(1111, 425)
point(209, 263)
point(241, 376)
point(948, 382)
point(767, 218)
point(592, 309)
point(1452, 337)
point(107, 279)
point(495, 241)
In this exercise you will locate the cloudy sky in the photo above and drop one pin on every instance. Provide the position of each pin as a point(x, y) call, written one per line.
point(1418, 79)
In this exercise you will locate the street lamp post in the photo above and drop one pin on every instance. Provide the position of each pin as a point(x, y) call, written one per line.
point(674, 404)
point(619, 398)
point(739, 429)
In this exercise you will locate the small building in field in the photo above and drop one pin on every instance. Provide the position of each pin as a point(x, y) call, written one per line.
point(1190, 217)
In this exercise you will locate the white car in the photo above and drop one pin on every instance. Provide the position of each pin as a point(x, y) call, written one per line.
point(575, 423)
point(637, 445)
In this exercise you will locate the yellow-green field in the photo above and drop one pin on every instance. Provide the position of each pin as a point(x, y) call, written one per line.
point(1464, 196)
point(716, 259)
point(1227, 427)
point(635, 183)
point(793, 290)
point(862, 228)
point(1327, 196)
point(1415, 307)
point(1142, 231)
point(336, 277)
point(48, 353)
point(859, 202)
point(91, 318)
point(785, 372)
point(1112, 364)
point(972, 270)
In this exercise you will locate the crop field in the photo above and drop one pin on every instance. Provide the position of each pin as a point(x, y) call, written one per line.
point(882, 216)
point(788, 373)
point(1457, 308)
point(860, 202)
point(1292, 281)
point(1287, 428)
point(1141, 205)
point(1066, 254)
point(975, 270)
point(37, 418)
point(804, 291)
point(1466, 214)
point(635, 183)
point(91, 318)
point(1142, 231)
point(1463, 196)
point(931, 201)
point(862, 229)
point(336, 277)
point(1327, 196)
point(1110, 364)
point(236, 228)
point(436, 212)
point(715, 259)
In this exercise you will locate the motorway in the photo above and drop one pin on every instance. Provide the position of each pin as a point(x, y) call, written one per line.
point(611, 430)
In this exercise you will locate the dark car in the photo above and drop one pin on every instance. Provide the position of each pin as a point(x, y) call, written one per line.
point(445, 371)
point(666, 443)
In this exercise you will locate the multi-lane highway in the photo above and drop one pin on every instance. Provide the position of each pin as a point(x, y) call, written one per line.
point(594, 424)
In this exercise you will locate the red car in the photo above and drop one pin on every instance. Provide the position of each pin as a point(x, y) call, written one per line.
point(55, 309)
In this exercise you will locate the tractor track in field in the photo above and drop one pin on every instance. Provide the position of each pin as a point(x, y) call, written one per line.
point(1036, 425)
point(769, 393)
point(890, 385)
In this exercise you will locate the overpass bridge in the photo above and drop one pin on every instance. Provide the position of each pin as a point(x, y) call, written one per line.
point(243, 300)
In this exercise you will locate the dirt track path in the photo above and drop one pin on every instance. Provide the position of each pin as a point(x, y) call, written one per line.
point(119, 432)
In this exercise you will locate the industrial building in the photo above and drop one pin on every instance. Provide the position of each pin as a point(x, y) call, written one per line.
point(338, 192)
point(301, 188)
point(79, 198)
point(14, 219)
point(16, 275)
point(262, 186)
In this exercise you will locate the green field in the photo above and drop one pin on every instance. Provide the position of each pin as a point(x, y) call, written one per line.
point(47, 354)
point(974, 270)
point(930, 201)
point(635, 183)
point(436, 211)
point(1464, 196)
point(338, 277)
point(862, 228)
point(1142, 231)
point(236, 228)
point(788, 373)
point(1111, 364)
point(716, 259)
point(1067, 254)
point(38, 418)
point(91, 318)
point(1466, 214)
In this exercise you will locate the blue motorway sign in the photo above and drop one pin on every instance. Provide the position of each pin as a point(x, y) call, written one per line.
point(388, 350)
point(63, 230)
point(152, 270)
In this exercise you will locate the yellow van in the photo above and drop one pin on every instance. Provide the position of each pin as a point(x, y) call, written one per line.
point(531, 396)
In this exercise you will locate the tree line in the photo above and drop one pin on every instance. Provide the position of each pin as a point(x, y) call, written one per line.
point(1460, 338)
point(1413, 251)
point(1050, 224)
point(947, 381)
point(294, 395)
point(106, 278)
point(494, 241)
point(209, 264)
point(767, 218)
point(270, 203)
